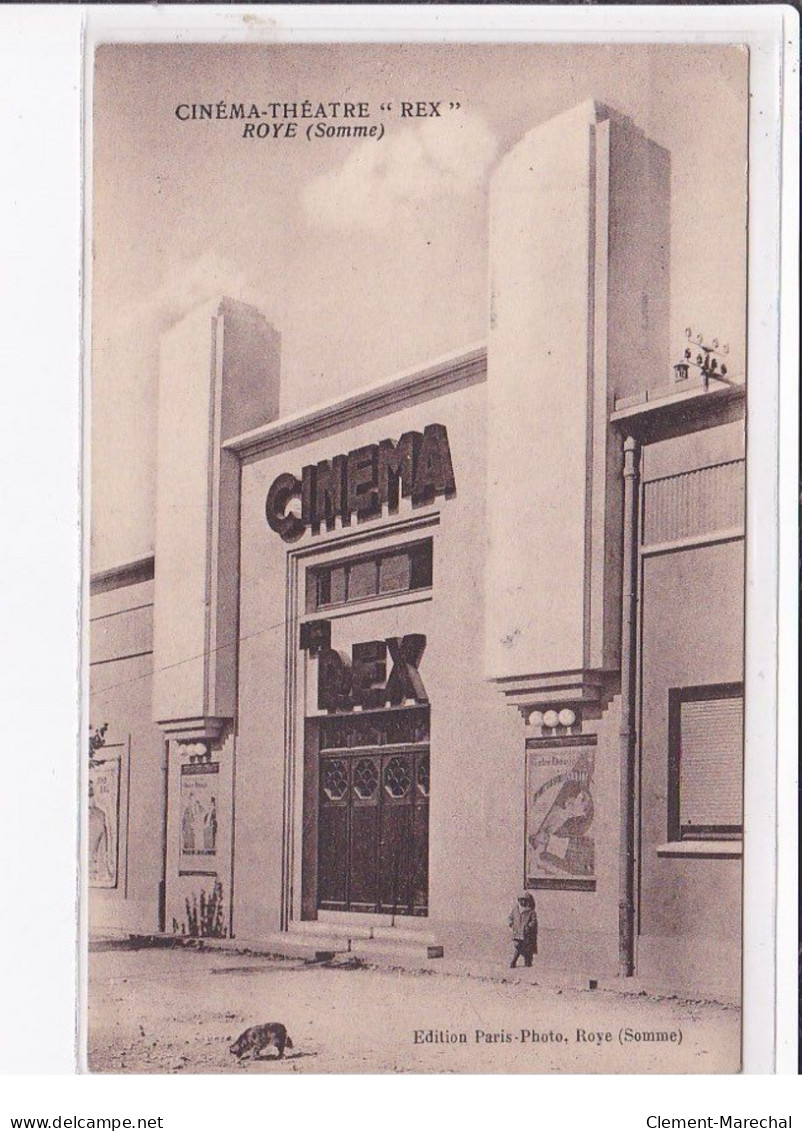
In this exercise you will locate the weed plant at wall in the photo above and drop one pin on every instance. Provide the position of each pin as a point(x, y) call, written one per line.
point(204, 915)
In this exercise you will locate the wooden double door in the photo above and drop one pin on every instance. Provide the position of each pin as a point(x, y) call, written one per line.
point(373, 830)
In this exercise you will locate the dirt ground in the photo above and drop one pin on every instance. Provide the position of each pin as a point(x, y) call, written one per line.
point(157, 1010)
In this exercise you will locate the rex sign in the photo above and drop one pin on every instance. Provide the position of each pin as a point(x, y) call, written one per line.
point(363, 680)
point(360, 483)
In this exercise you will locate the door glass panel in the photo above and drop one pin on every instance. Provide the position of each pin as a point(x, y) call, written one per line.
point(366, 778)
point(422, 776)
point(397, 777)
point(335, 779)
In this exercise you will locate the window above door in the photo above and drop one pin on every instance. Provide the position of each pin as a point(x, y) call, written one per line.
point(404, 569)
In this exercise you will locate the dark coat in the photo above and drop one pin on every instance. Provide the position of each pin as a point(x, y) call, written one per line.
point(523, 919)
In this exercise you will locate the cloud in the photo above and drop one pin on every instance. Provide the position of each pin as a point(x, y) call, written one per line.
point(188, 284)
point(433, 160)
point(125, 366)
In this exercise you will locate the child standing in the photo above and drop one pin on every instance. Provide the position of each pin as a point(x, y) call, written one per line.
point(523, 921)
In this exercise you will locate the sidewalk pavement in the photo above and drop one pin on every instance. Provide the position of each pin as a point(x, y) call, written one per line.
point(384, 954)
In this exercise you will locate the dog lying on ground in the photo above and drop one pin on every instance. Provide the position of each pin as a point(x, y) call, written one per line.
point(260, 1037)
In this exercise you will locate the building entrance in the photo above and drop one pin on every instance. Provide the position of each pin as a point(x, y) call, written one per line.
point(373, 812)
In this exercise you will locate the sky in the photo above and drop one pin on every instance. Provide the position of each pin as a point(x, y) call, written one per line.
point(369, 256)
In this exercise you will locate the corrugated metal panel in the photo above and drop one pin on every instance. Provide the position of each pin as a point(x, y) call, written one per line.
point(694, 503)
point(710, 762)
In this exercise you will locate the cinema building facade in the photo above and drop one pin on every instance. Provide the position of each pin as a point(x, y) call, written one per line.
point(474, 629)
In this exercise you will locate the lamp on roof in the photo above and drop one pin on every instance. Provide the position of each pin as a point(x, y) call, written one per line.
point(706, 359)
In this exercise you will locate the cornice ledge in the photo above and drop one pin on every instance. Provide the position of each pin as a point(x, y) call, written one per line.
point(466, 368)
point(117, 577)
point(697, 397)
point(193, 730)
point(581, 688)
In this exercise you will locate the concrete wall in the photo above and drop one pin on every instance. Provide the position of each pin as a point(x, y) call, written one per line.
point(526, 585)
point(218, 375)
point(120, 694)
point(473, 745)
point(188, 879)
point(477, 740)
point(579, 247)
point(692, 634)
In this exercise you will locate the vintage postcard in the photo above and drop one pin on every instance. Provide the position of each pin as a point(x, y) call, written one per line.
point(418, 463)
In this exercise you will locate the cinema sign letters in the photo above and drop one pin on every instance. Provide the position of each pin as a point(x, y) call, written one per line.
point(360, 483)
point(363, 680)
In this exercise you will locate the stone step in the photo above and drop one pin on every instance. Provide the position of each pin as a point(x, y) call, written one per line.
point(362, 931)
point(313, 944)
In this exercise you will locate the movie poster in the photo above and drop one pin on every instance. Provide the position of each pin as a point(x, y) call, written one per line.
point(559, 827)
point(198, 827)
point(104, 821)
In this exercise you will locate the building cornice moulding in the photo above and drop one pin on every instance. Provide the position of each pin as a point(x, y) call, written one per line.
point(686, 408)
point(128, 573)
point(207, 727)
point(453, 372)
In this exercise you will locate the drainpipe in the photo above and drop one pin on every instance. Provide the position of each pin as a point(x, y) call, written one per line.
point(162, 898)
point(629, 596)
